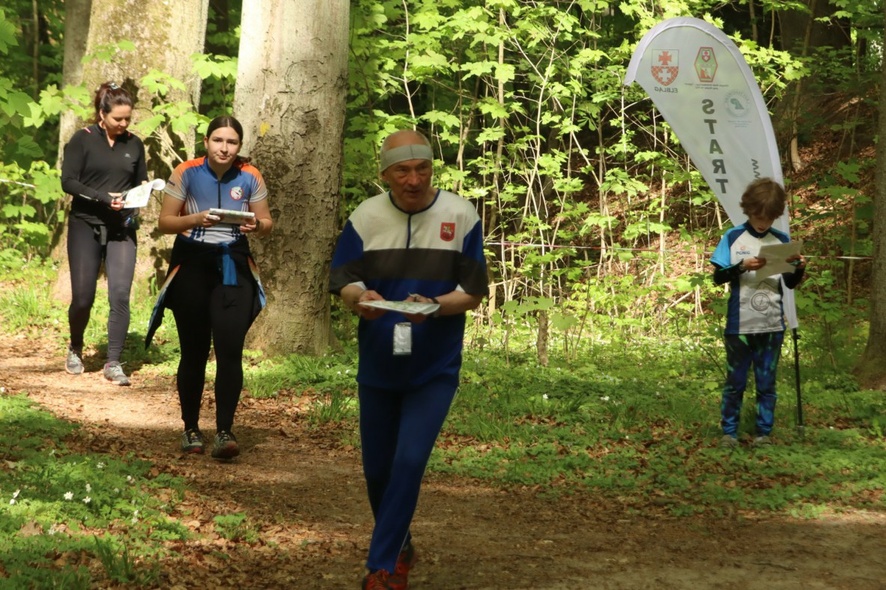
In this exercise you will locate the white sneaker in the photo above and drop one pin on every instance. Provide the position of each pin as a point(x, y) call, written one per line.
point(74, 362)
point(114, 373)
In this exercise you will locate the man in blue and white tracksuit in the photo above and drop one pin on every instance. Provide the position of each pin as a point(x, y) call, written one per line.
point(419, 244)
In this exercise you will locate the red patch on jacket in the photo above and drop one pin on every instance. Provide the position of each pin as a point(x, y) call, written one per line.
point(447, 231)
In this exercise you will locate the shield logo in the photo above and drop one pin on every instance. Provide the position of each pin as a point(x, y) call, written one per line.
point(237, 193)
point(665, 65)
point(706, 65)
point(447, 231)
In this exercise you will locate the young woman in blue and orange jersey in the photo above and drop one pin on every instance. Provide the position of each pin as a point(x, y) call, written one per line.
point(215, 294)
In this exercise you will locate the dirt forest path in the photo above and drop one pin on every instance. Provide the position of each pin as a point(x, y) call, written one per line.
point(302, 489)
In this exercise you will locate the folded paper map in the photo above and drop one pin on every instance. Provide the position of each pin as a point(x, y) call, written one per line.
point(412, 307)
point(776, 256)
point(139, 196)
point(232, 216)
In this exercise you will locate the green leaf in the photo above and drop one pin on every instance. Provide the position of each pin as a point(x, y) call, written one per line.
point(7, 34)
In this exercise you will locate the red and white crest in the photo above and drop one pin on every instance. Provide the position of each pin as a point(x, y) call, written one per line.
point(447, 231)
point(237, 193)
point(665, 65)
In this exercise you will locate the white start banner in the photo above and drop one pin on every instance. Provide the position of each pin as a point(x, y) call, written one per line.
point(704, 89)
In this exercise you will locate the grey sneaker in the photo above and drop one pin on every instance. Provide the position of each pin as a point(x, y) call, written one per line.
point(762, 441)
point(114, 373)
point(192, 441)
point(728, 442)
point(74, 361)
point(225, 446)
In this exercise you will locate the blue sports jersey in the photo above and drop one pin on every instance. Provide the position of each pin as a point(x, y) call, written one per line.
point(197, 185)
point(755, 305)
point(431, 252)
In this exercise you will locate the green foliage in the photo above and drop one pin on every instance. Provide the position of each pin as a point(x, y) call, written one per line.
point(649, 436)
point(274, 376)
point(174, 117)
point(31, 50)
point(218, 67)
point(235, 527)
point(7, 34)
point(29, 208)
point(53, 498)
point(120, 565)
point(328, 380)
point(526, 105)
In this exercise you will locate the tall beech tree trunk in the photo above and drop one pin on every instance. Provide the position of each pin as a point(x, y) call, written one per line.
point(872, 366)
point(290, 97)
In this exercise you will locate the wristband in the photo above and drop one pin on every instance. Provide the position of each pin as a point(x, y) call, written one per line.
point(436, 313)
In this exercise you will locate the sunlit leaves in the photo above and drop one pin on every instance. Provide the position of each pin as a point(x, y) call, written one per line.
point(214, 66)
point(7, 34)
point(107, 52)
point(160, 83)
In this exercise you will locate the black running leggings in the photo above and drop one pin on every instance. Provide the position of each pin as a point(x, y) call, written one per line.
point(85, 255)
point(208, 312)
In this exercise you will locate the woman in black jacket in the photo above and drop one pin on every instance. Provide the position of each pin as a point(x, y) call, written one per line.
point(101, 162)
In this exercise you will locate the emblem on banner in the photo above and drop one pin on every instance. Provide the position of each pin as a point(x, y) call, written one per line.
point(665, 65)
point(738, 104)
point(447, 231)
point(706, 64)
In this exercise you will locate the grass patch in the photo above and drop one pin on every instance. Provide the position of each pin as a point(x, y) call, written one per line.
point(62, 513)
point(631, 428)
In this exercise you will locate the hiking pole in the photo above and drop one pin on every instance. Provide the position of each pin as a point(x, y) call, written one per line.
point(797, 382)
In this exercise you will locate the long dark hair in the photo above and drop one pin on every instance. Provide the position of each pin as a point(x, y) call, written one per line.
point(227, 121)
point(108, 96)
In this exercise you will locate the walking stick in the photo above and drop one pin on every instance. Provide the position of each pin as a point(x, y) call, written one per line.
point(797, 382)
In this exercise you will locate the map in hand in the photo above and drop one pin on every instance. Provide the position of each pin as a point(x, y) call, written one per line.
point(413, 307)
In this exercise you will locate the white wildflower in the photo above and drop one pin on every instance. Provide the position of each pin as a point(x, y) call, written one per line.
point(87, 500)
point(69, 495)
point(100, 465)
point(88, 488)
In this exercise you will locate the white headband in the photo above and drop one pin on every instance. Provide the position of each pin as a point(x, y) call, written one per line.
point(417, 151)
